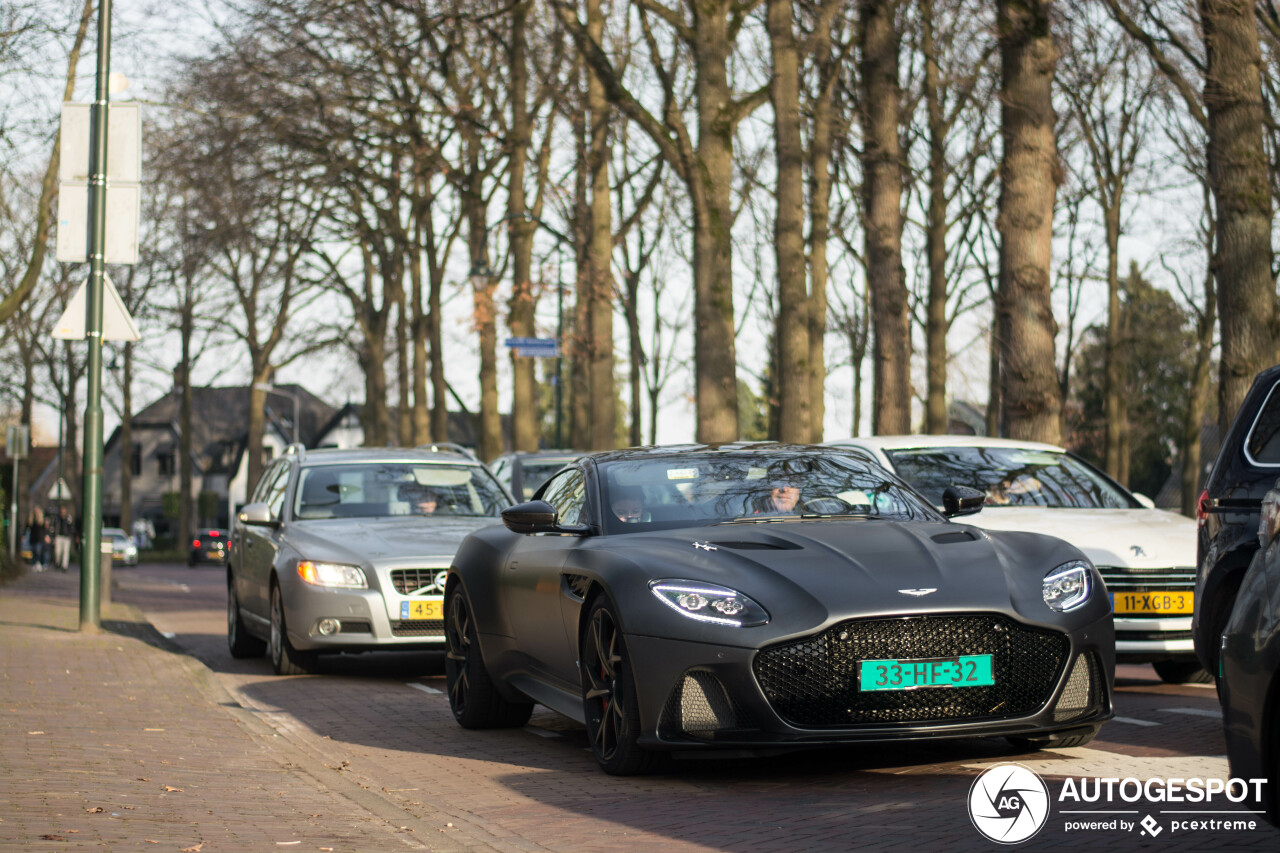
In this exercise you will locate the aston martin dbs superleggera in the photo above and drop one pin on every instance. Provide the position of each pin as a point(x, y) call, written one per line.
point(758, 597)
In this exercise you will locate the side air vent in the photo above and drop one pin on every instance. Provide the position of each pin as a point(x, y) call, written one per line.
point(577, 585)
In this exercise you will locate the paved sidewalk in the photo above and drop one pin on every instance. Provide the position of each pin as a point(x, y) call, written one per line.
point(120, 741)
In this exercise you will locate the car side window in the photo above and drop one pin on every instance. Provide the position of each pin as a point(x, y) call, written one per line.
point(568, 494)
point(1263, 443)
point(264, 481)
point(273, 495)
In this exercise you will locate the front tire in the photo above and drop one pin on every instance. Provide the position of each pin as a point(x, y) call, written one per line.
point(241, 643)
point(285, 659)
point(1181, 672)
point(609, 698)
point(473, 696)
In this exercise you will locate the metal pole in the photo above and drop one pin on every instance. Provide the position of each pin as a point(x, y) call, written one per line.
point(559, 343)
point(91, 510)
point(13, 513)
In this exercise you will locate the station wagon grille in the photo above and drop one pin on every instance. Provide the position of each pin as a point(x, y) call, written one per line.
point(409, 581)
point(813, 682)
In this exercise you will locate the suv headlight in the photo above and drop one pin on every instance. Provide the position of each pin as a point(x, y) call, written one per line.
point(1068, 586)
point(332, 574)
point(709, 603)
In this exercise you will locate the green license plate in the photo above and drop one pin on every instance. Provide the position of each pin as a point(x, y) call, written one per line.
point(961, 671)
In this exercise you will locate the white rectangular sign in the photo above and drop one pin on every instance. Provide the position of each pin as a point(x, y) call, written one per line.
point(124, 143)
point(124, 209)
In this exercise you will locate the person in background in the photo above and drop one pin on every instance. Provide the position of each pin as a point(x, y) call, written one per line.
point(38, 534)
point(64, 533)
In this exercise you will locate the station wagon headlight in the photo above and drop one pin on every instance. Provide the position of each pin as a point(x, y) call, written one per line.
point(332, 574)
point(708, 603)
point(1068, 586)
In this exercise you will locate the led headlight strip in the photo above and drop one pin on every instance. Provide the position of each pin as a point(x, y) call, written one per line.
point(709, 603)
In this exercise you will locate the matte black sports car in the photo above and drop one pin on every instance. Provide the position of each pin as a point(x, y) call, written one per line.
point(757, 597)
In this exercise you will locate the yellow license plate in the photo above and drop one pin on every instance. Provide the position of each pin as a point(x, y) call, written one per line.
point(426, 609)
point(1154, 603)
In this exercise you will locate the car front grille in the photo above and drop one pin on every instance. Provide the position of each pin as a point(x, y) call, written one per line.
point(813, 682)
point(410, 581)
point(1173, 579)
point(418, 628)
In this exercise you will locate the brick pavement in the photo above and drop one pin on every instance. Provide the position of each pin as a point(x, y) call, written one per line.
point(118, 741)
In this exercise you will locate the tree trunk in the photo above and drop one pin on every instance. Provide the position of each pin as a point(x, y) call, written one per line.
point(520, 318)
point(819, 221)
point(882, 208)
point(435, 340)
point(598, 334)
point(257, 424)
point(1239, 176)
point(792, 331)
point(404, 415)
point(419, 319)
point(186, 523)
point(936, 323)
point(1114, 372)
point(1029, 175)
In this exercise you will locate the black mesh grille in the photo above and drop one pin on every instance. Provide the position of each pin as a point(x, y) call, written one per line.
point(418, 628)
point(409, 581)
point(1080, 697)
point(814, 682)
point(699, 704)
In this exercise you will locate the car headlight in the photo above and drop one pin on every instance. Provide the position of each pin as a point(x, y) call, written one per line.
point(1068, 586)
point(332, 574)
point(709, 603)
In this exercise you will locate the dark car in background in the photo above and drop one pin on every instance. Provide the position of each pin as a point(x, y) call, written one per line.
point(208, 546)
point(523, 473)
point(1247, 466)
point(1250, 666)
point(757, 597)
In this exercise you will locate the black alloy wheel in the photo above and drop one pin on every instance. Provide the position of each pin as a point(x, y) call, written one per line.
point(241, 643)
point(609, 697)
point(473, 697)
point(285, 659)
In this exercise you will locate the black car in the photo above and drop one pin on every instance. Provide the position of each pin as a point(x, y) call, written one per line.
point(1250, 660)
point(523, 473)
point(1247, 466)
point(762, 596)
point(208, 546)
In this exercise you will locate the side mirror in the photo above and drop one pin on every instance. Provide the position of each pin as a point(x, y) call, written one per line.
point(962, 500)
point(257, 514)
point(530, 517)
point(1269, 518)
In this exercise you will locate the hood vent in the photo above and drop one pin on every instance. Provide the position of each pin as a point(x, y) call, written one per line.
point(954, 536)
point(759, 545)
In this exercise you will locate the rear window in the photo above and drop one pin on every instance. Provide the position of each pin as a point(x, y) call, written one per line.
point(1010, 476)
point(1263, 443)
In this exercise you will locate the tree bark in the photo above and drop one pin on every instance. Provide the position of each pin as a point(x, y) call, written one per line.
point(520, 317)
point(792, 329)
point(1114, 372)
point(598, 334)
point(1029, 173)
point(1239, 176)
point(882, 209)
point(936, 321)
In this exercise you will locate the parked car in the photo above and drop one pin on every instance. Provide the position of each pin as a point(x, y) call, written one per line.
point(208, 546)
point(766, 596)
point(524, 473)
point(1250, 656)
point(346, 551)
point(123, 549)
point(1247, 466)
point(1145, 555)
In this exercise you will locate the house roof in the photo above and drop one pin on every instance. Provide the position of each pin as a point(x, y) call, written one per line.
point(220, 421)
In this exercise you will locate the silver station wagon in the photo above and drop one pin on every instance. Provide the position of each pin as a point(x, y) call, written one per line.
point(347, 551)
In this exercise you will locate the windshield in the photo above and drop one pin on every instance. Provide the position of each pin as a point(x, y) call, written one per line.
point(692, 489)
point(1010, 476)
point(396, 488)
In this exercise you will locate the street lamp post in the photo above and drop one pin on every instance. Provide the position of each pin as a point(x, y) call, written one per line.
point(271, 389)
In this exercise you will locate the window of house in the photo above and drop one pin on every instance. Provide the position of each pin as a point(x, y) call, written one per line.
point(166, 461)
point(135, 460)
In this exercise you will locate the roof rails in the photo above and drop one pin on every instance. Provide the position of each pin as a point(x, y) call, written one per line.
point(299, 450)
point(448, 447)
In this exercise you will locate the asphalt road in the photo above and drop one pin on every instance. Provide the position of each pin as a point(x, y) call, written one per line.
point(384, 719)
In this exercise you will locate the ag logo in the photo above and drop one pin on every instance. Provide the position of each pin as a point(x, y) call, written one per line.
point(1008, 803)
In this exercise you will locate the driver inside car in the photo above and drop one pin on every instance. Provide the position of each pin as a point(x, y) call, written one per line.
point(781, 500)
point(628, 506)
